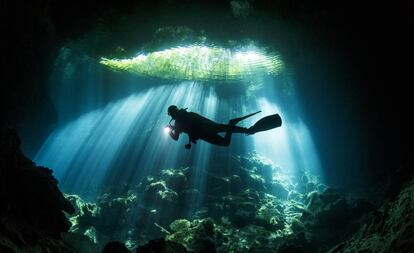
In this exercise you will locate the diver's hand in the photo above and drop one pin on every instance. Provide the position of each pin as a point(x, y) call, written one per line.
point(173, 133)
point(170, 131)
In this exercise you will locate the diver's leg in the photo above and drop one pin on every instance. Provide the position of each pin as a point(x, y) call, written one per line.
point(227, 138)
point(229, 129)
point(216, 140)
point(232, 128)
point(221, 128)
point(237, 120)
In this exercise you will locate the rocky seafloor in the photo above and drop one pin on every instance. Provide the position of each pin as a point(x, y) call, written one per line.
point(249, 205)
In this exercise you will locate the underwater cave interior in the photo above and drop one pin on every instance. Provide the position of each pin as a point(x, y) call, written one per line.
point(108, 146)
point(301, 187)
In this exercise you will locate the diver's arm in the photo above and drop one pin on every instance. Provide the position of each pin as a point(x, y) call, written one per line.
point(174, 134)
point(192, 139)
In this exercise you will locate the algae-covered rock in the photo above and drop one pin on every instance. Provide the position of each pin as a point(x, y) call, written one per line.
point(196, 236)
point(175, 179)
point(180, 225)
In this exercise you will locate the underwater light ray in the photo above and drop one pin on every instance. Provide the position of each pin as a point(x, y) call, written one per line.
point(190, 94)
point(291, 146)
point(307, 150)
point(109, 145)
point(94, 148)
point(101, 149)
point(56, 155)
point(141, 137)
point(275, 144)
point(202, 156)
point(115, 127)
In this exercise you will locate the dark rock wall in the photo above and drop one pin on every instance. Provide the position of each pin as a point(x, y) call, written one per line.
point(31, 205)
point(388, 229)
point(30, 45)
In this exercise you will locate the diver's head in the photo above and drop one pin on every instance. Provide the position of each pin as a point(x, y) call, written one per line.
point(172, 111)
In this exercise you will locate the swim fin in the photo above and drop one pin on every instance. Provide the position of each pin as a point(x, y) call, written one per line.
point(266, 123)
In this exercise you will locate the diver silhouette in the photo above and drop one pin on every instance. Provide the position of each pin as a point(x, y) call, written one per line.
point(198, 127)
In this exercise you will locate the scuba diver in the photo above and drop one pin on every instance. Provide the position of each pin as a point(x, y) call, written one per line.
point(198, 127)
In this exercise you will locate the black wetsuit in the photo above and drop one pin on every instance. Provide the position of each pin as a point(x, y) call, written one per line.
point(199, 127)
